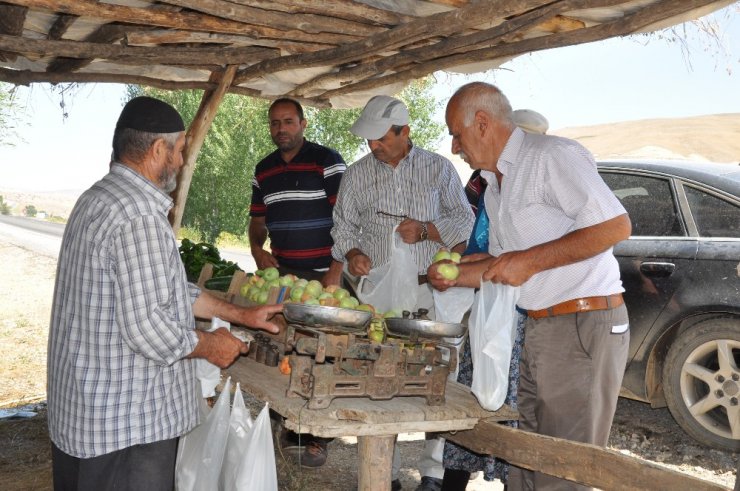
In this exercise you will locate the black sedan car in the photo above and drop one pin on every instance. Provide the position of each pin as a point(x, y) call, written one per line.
point(681, 272)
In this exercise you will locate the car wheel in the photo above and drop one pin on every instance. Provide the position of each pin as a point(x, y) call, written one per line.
point(701, 381)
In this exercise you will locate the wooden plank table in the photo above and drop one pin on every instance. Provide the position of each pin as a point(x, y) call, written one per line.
point(374, 423)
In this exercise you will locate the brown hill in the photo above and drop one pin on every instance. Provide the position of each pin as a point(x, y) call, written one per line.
point(713, 137)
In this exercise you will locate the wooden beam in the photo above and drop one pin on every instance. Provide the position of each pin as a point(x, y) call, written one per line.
point(341, 9)
point(174, 36)
point(442, 24)
point(310, 23)
point(178, 20)
point(12, 19)
point(196, 134)
point(143, 56)
point(626, 25)
point(580, 462)
point(105, 34)
point(60, 26)
point(27, 77)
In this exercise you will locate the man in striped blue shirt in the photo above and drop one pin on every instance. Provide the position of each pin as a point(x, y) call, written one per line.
point(293, 194)
point(122, 342)
point(399, 184)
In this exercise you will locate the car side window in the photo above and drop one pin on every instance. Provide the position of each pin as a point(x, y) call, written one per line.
point(650, 203)
point(714, 216)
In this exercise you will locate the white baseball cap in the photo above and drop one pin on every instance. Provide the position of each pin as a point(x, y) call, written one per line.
point(380, 113)
point(530, 121)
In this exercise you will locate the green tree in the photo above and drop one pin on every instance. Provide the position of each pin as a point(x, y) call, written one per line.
point(221, 189)
point(30, 211)
point(4, 207)
point(9, 115)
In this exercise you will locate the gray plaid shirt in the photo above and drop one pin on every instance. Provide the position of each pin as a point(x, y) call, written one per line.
point(122, 323)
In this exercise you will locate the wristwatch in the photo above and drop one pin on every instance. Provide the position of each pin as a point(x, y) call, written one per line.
point(424, 232)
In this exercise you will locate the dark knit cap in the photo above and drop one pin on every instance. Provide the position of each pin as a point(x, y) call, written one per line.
point(150, 115)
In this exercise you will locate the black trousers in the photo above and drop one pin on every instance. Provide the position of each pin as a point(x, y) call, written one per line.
point(146, 467)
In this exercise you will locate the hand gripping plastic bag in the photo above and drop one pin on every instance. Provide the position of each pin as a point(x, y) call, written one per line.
point(492, 330)
point(395, 284)
point(200, 453)
point(240, 424)
point(205, 371)
point(257, 470)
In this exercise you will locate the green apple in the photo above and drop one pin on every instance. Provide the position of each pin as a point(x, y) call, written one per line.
point(392, 313)
point(347, 303)
point(244, 290)
point(341, 293)
point(271, 273)
point(441, 255)
point(300, 282)
point(286, 280)
point(262, 297)
point(296, 293)
point(314, 288)
point(448, 271)
point(311, 301)
point(455, 257)
point(366, 307)
point(376, 336)
point(271, 283)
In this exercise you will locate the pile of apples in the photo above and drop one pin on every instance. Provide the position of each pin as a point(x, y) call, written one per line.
point(257, 289)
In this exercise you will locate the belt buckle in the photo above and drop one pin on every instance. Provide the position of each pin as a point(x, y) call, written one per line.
point(582, 304)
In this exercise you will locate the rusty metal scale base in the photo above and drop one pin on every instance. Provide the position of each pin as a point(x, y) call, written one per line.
point(329, 364)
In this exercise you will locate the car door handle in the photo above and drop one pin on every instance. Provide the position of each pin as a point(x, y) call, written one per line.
point(657, 269)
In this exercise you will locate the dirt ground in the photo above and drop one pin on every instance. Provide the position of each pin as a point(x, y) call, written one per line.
point(26, 286)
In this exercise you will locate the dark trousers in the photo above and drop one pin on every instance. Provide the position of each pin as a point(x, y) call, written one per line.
point(570, 374)
point(146, 467)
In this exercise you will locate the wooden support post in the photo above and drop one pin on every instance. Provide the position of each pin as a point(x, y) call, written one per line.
point(195, 136)
point(580, 462)
point(376, 461)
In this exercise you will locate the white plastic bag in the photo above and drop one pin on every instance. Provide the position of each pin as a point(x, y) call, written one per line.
point(200, 453)
point(451, 306)
point(257, 470)
point(240, 424)
point(492, 330)
point(395, 284)
point(205, 371)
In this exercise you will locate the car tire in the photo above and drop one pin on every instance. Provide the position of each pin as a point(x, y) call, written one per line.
point(701, 382)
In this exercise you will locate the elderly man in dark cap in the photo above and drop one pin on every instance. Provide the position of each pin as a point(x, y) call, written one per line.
point(122, 343)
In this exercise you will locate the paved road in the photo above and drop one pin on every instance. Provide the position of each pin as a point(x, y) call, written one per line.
point(45, 238)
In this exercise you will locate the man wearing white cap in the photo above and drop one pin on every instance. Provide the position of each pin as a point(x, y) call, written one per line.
point(399, 184)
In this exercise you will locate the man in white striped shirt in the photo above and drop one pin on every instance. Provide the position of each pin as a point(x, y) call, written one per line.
point(399, 184)
point(553, 225)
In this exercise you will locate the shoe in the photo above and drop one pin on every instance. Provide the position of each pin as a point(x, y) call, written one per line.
point(290, 443)
point(429, 483)
point(314, 454)
point(396, 485)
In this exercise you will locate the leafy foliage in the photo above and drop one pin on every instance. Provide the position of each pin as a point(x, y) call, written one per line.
point(30, 211)
point(4, 207)
point(220, 192)
point(10, 115)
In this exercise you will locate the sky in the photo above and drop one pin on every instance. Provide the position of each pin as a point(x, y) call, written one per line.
point(597, 83)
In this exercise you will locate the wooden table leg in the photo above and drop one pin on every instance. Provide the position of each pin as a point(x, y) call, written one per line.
point(376, 460)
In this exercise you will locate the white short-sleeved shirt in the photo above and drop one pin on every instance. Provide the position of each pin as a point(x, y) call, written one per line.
point(551, 187)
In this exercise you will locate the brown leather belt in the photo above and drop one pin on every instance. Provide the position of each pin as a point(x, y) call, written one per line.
point(422, 279)
point(579, 305)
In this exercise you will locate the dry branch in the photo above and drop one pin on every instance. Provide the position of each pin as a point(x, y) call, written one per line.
point(341, 9)
point(170, 36)
point(304, 22)
point(142, 56)
point(11, 22)
point(178, 20)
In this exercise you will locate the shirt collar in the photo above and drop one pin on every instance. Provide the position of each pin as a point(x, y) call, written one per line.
point(157, 195)
point(510, 151)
